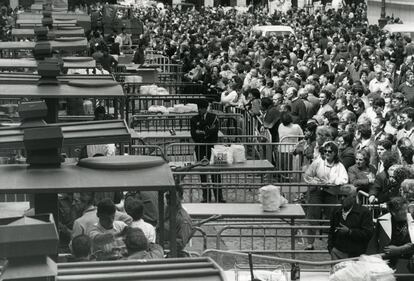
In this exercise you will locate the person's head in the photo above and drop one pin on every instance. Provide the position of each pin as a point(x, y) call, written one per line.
point(86, 199)
point(310, 131)
point(348, 117)
point(134, 208)
point(81, 246)
point(106, 213)
point(266, 103)
point(303, 93)
point(378, 104)
point(135, 240)
point(363, 132)
point(407, 116)
point(324, 97)
point(323, 134)
point(383, 146)
point(291, 93)
point(407, 190)
point(398, 207)
point(330, 119)
point(403, 143)
point(100, 113)
point(286, 119)
point(378, 124)
point(345, 140)
point(407, 154)
point(277, 99)
point(359, 106)
point(323, 80)
point(347, 196)
point(202, 107)
point(340, 104)
point(362, 159)
point(255, 93)
point(389, 158)
point(397, 100)
point(330, 150)
point(378, 72)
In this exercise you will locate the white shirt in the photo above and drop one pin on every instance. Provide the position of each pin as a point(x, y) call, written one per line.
point(229, 98)
point(147, 228)
point(327, 173)
point(375, 85)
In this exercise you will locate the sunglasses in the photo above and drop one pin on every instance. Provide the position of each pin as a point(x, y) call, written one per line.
point(328, 151)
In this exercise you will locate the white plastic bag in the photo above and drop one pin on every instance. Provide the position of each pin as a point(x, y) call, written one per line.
point(152, 90)
point(162, 91)
point(271, 198)
point(192, 106)
point(371, 268)
point(239, 153)
point(221, 155)
point(158, 109)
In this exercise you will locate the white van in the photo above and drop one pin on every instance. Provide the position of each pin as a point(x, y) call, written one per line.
point(404, 29)
point(271, 30)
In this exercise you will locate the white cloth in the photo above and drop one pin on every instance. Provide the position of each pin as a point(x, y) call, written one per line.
point(147, 228)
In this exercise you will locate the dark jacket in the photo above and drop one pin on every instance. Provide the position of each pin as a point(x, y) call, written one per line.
point(382, 188)
point(320, 69)
point(299, 111)
point(347, 157)
point(209, 125)
point(359, 221)
point(359, 178)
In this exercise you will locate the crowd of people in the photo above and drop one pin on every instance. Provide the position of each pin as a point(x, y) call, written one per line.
point(347, 86)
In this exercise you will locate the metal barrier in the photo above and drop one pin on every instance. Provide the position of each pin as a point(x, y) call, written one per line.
point(240, 186)
point(141, 103)
point(180, 122)
point(250, 123)
point(278, 154)
point(188, 152)
point(150, 150)
point(262, 238)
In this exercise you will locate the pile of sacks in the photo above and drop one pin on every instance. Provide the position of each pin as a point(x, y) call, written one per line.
point(177, 108)
point(153, 90)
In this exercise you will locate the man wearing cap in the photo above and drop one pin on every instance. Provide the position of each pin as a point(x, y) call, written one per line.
point(351, 226)
point(204, 129)
point(379, 83)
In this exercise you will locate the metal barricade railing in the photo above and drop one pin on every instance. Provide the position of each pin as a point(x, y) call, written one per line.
point(142, 103)
point(268, 239)
point(180, 122)
point(239, 186)
point(188, 152)
point(150, 150)
point(279, 154)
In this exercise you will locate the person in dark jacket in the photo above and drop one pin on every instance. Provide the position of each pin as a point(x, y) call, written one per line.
point(346, 150)
point(351, 227)
point(387, 183)
point(394, 236)
point(298, 107)
point(204, 129)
